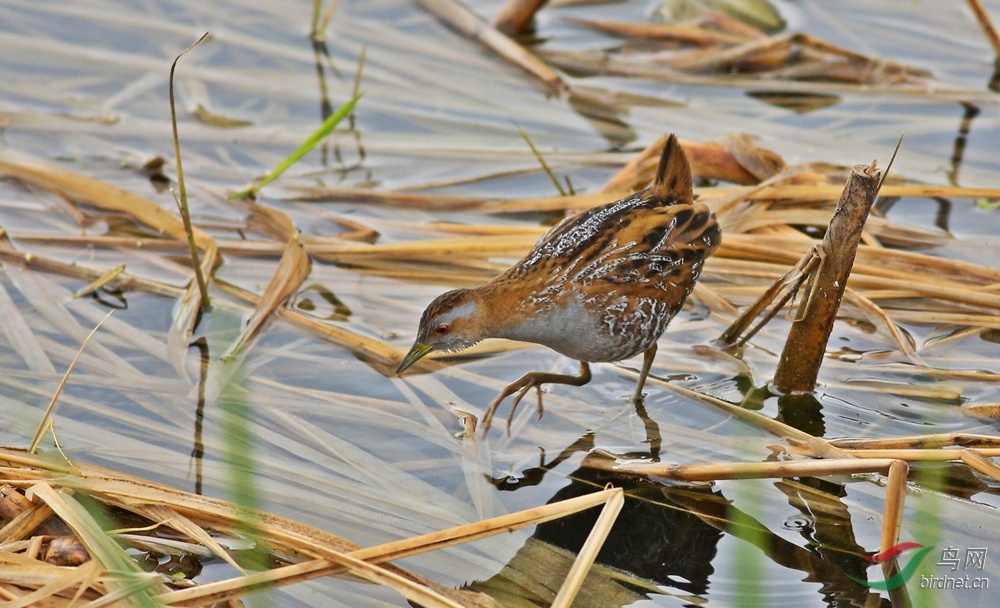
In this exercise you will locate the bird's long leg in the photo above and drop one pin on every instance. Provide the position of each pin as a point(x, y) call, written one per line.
point(532, 380)
point(647, 362)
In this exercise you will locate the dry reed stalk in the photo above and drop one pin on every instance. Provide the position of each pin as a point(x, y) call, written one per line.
point(103, 241)
point(938, 440)
point(490, 527)
point(817, 446)
point(132, 493)
point(128, 579)
point(759, 218)
point(186, 526)
point(871, 281)
point(479, 229)
point(102, 281)
point(292, 270)
point(797, 55)
point(886, 264)
point(710, 161)
point(791, 281)
point(513, 245)
point(682, 33)
point(55, 584)
point(757, 470)
point(515, 16)
point(191, 514)
point(13, 504)
point(987, 24)
point(895, 496)
point(985, 411)
point(385, 356)
point(895, 469)
point(455, 14)
point(980, 461)
point(978, 321)
point(415, 200)
point(588, 553)
point(937, 392)
point(573, 202)
point(706, 160)
point(25, 523)
point(711, 59)
point(81, 188)
point(802, 356)
point(86, 273)
point(795, 193)
point(714, 301)
point(923, 455)
point(469, 272)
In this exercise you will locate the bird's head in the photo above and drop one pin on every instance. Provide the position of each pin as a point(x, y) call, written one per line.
point(453, 321)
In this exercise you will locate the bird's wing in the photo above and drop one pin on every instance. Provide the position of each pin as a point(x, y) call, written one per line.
point(654, 249)
point(658, 238)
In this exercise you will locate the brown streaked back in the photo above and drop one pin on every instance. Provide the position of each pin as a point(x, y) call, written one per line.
point(574, 242)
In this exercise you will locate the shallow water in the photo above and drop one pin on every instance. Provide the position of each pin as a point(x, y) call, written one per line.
point(338, 444)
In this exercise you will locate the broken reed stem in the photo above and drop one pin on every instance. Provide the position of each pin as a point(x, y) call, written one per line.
point(515, 16)
point(792, 280)
point(981, 462)
point(895, 496)
point(457, 16)
point(588, 553)
point(803, 354)
point(987, 24)
point(757, 470)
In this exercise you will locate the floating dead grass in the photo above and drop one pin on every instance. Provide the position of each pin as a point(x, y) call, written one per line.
point(189, 521)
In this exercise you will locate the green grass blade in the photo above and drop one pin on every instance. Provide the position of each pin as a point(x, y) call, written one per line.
point(541, 160)
point(311, 142)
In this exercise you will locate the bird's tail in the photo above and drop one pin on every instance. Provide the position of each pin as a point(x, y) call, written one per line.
point(673, 175)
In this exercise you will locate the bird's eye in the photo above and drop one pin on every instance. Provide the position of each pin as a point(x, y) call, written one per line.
point(441, 329)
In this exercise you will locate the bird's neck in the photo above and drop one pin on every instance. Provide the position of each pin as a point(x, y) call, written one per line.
point(500, 309)
point(508, 312)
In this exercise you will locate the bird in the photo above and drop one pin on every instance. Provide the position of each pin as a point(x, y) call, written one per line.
point(599, 286)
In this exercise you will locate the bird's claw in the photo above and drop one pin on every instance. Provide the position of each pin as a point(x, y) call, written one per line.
point(521, 387)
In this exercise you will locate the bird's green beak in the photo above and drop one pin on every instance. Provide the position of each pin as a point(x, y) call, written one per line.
point(416, 353)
